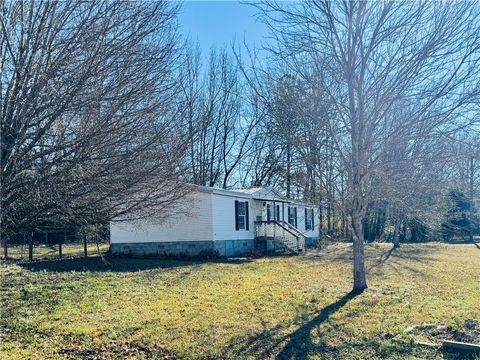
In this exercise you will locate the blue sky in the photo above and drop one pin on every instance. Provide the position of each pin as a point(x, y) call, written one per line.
point(216, 23)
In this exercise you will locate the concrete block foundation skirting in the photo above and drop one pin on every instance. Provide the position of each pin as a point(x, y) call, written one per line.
point(225, 248)
point(311, 241)
point(232, 248)
point(171, 248)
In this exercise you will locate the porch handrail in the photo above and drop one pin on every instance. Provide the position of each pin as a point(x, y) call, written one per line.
point(294, 229)
point(284, 225)
point(277, 223)
point(297, 236)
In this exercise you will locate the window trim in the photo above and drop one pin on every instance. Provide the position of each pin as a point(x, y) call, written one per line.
point(241, 208)
point(244, 216)
point(291, 215)
point(309, 219)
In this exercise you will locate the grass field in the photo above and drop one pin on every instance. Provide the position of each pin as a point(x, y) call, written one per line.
point(279, 307)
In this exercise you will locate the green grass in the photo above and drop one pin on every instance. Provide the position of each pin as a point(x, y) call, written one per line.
point(285, 307)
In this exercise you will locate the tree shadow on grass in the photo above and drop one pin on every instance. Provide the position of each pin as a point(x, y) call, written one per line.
point(298, 344)
point(386, 255)
point(379, 259)
point(397, 258)
point(117, 264)
point(409, 252)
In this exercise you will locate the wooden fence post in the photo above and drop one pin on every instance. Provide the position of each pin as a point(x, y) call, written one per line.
point(5, 247)
point(85, 253)
point(30, 246)
point(60, 243)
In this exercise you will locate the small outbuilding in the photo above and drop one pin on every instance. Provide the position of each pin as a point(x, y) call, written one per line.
point(231, 222)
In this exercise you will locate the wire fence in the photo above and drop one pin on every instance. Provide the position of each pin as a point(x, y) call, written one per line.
point(55, 251)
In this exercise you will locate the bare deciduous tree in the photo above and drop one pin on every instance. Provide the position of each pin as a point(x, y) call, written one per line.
point(87, 130)
point(373, 55)
point(220, 114)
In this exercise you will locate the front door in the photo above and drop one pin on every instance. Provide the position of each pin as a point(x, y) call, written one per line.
point(259, 210)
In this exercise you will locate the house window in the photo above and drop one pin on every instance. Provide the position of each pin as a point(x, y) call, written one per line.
point(241, 215)
point(313, 218)
point(292, 216)
point(269, 213)
point(308, 219)
point(278, 213)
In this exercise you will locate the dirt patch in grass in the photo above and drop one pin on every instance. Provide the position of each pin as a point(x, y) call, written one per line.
point(114, 350)
point(467, 331)
point(433, 335)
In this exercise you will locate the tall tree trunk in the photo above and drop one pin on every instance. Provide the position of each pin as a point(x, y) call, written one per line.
point(358, 213)
point(359, 272)
point(330, 188)
point(472, 213)
point(288, 179)
point(313, 188)
point(329, 217)
point(396, 234)
point(192, 150)
point(343, 213)
point(332, 211)
point(320, 215)
point(308, 192)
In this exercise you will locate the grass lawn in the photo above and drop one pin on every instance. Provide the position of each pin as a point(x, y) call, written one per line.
point(279, 307)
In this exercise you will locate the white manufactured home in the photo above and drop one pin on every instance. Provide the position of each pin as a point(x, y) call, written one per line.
point(232, 222)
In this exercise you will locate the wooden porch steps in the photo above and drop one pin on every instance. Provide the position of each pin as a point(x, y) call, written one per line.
point(281, 234)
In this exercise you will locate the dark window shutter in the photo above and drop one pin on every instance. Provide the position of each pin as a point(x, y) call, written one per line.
point(268, 212)
point(313, 219)
point(247, 225)
point(236, 214)
point(306, 218)
point(278, 213)
point(295, 212)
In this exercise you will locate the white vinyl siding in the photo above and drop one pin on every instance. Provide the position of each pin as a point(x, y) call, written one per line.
point(196, 208)
point(223, 209)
